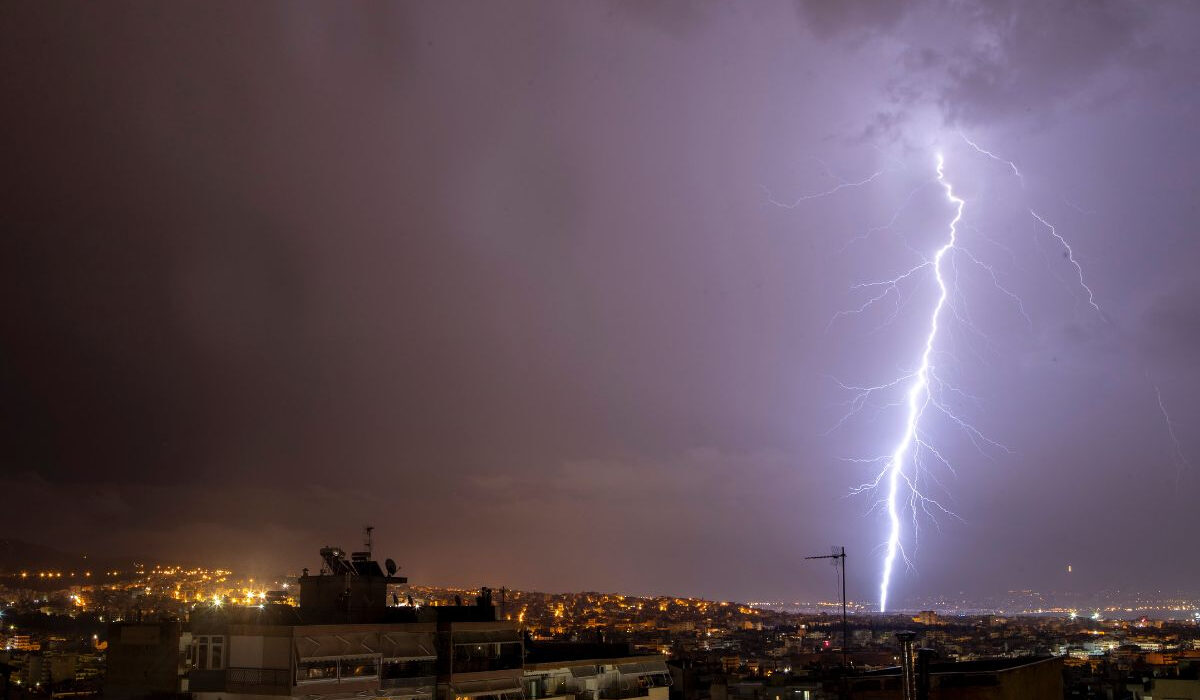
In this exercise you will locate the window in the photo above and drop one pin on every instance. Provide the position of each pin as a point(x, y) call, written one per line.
point(208, 652)
point(408, 669)
point(359, 667)
point(472, 657)
point(324, 670)
point(346, 668)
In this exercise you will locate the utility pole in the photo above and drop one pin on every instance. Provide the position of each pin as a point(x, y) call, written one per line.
point(839, 559)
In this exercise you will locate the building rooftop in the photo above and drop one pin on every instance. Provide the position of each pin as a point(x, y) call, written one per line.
point(979, 666)
point(555, 652)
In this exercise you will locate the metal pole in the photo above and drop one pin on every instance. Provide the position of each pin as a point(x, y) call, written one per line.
point(845, 626)
point(907, 664)
point(840, 554)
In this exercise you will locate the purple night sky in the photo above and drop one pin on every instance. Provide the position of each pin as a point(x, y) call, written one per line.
point(507, 281)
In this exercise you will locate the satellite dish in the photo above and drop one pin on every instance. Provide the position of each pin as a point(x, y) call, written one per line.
point(391, 567)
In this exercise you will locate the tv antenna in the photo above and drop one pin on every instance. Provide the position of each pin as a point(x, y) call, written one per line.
point(838, 557)
point(367, 530)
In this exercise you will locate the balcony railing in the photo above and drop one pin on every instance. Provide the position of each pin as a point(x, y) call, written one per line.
point(258, 676)
point(206, 680)
point(409, 683)
point(476, 665)
point(625, 694)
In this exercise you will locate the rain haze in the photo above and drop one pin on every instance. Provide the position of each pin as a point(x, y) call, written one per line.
point(562, 296)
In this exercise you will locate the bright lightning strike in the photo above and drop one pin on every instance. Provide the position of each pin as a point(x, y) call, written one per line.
point(919, 397)
point(903, 473)
point(924, 394)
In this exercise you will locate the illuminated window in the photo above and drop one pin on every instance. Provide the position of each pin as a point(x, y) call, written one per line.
point(324, 670)
point(346, 668)
point(359, 667)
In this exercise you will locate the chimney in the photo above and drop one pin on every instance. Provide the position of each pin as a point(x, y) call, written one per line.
point(908, 675)
point(924, 656)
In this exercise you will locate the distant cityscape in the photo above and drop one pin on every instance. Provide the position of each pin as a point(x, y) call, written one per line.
point(60, 625)
point(160, 587)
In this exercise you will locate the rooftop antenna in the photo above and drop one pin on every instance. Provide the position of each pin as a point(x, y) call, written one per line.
point(838, 555)
point(367, 530)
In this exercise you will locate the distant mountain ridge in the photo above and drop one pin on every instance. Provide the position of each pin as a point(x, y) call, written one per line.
point(18, 555)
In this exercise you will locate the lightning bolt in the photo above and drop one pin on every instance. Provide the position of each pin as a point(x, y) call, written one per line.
point(1181, 459)
point(1178, 455)
point(919, 396)
point(903, 473)
point(842, 184)
point(886, 226)
point(1070, 256)
point(901, 476)
point(993, 156)
point(1050, 227)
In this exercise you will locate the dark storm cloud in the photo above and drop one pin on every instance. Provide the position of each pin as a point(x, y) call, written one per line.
point(985, 63)
point(502, 280)
point(1029, 54)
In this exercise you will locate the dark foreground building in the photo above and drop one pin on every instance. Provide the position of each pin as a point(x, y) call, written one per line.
point(1030, 678)
point(345, 641)
point(145, 659)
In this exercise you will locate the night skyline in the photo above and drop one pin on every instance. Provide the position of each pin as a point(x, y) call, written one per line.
point(511, 283)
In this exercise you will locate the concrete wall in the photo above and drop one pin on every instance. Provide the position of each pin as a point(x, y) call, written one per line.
point(1173, 689)
point(257, 651)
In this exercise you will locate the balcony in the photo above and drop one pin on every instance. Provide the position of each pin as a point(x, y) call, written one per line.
point(652, 692)
point(264, 681)
point(410, 687)
point(201, 680)
point(485, 664)
point(238, 678)
point(626, 694)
